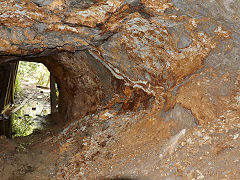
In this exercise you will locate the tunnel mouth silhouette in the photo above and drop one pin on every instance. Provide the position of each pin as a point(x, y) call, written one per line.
point(87, 86)
point(84, 85)
point(29, 98)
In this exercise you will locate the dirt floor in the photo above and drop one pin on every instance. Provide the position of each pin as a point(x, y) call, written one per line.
point(133, 145)
point(112, 144)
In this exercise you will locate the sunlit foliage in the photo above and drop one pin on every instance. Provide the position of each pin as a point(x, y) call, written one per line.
point(37, 72)
point(21, 125)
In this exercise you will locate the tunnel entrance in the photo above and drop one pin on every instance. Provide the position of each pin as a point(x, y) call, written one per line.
point(32, 98)
point(86, 86)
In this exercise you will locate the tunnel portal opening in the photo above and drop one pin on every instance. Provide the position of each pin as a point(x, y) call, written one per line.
point(86, 86)
point(28, 98)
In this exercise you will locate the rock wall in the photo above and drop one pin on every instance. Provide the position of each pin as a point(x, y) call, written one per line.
point(179, 59)
point(151, 46)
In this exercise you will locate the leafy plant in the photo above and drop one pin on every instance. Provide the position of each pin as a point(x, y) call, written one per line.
point(36, 71)
point(21, 125)
point(18, 89)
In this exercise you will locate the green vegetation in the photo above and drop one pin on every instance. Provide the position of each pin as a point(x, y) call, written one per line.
point(28, 73)
point(21, 125)
point(27, 68)
point(37, 72)
point(18, 88)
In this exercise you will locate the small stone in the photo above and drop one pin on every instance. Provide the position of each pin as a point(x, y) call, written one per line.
point(235, 136)
point(206, 138)
point(201, 176)
point(2, 137)
point(198, 133)
point(183, 143)
point(184, 42)
point(189, 141)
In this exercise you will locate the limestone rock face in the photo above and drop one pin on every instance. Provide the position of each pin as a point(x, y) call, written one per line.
point(178, 59)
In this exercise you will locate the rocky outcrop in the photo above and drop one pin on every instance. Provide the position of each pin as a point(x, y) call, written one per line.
point(149, 45)
point(177, 59)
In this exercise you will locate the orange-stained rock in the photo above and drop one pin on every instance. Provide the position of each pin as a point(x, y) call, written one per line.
point(24, 14)
point(208, 95)
point(156, 6)
point(150, 88)
point(94, 15)
point(149, 51)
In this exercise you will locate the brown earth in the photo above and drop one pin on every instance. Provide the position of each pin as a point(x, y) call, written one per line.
point(148, 89)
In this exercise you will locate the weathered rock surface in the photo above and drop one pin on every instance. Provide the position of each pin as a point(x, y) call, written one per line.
point(144, 71)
